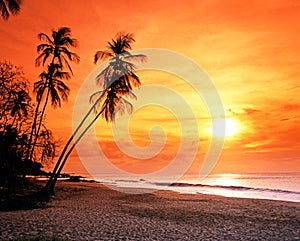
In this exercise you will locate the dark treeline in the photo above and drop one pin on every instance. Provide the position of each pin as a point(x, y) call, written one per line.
point(17, 110)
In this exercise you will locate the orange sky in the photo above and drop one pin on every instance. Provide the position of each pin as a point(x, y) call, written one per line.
point(250, 49)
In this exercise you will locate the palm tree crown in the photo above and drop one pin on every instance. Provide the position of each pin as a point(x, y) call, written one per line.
point(52, 80)
point(20, 104)
point(8, 7)
point(56, 47)
point(118, 78)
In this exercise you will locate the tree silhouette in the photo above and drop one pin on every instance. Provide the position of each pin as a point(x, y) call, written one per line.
point(9, 7)
point(56, 49)
point(12, 81)
point(56, 87)
point(116, 81)
point(16, 114)
point(51, 82)
point(20, 105)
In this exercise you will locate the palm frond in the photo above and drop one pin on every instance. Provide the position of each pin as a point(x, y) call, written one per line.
point(103, 77)
point(134, 79)
point(8, 7)
point(38, 60)
point(41, 47)
point(128, 106)
point(14, 6)
point(137, 57)
point(75, 57)
point(38, 85)
point(69, 42)
point(71, 56)
point(62, 75)
point(103, 55)
point(4, 10)
point(55, 98)
point(130, 94)
point(127, 67)
point(39, 89)
point(64, 93)
point(41, 59)
point(96, 96)
point(66, 63)
point(45, 37)
point(62, 88)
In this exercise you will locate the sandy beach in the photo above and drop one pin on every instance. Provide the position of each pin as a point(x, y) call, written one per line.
point(90, 211)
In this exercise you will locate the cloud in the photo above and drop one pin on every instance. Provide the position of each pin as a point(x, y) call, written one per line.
point(290, 107)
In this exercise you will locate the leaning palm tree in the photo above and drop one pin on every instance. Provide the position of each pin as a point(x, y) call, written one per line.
point(116, 81)
point(9, 7)
point(51, 82)
point(56, 49)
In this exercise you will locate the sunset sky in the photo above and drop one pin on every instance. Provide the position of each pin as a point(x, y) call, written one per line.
point(250, 50)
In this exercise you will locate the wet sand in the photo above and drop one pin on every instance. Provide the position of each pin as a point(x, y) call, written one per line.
point(90, 211)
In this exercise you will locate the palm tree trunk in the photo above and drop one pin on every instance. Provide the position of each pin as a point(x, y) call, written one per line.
point(39, 125)
point(58, 163)
point(50, 180)
point(67, 145)
point(33, 128)
point(52, 185)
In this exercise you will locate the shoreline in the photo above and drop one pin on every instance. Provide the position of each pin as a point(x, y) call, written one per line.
point(92, 211)
point(134, 191)
point(170, 187)
point(236, 189)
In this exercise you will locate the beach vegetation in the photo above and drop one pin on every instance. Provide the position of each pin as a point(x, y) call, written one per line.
point(116, 82)
point(16, 113)
point(54, 50)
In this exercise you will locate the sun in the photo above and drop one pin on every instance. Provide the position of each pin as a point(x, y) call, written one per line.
point(231, 127)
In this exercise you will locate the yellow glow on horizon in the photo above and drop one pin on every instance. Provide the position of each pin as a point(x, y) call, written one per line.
point(227, 179)
point(232, 127)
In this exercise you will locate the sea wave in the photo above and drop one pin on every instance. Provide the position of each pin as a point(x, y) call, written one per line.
point(232, 188)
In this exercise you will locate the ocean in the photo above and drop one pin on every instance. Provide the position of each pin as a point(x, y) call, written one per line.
point(274, 186)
